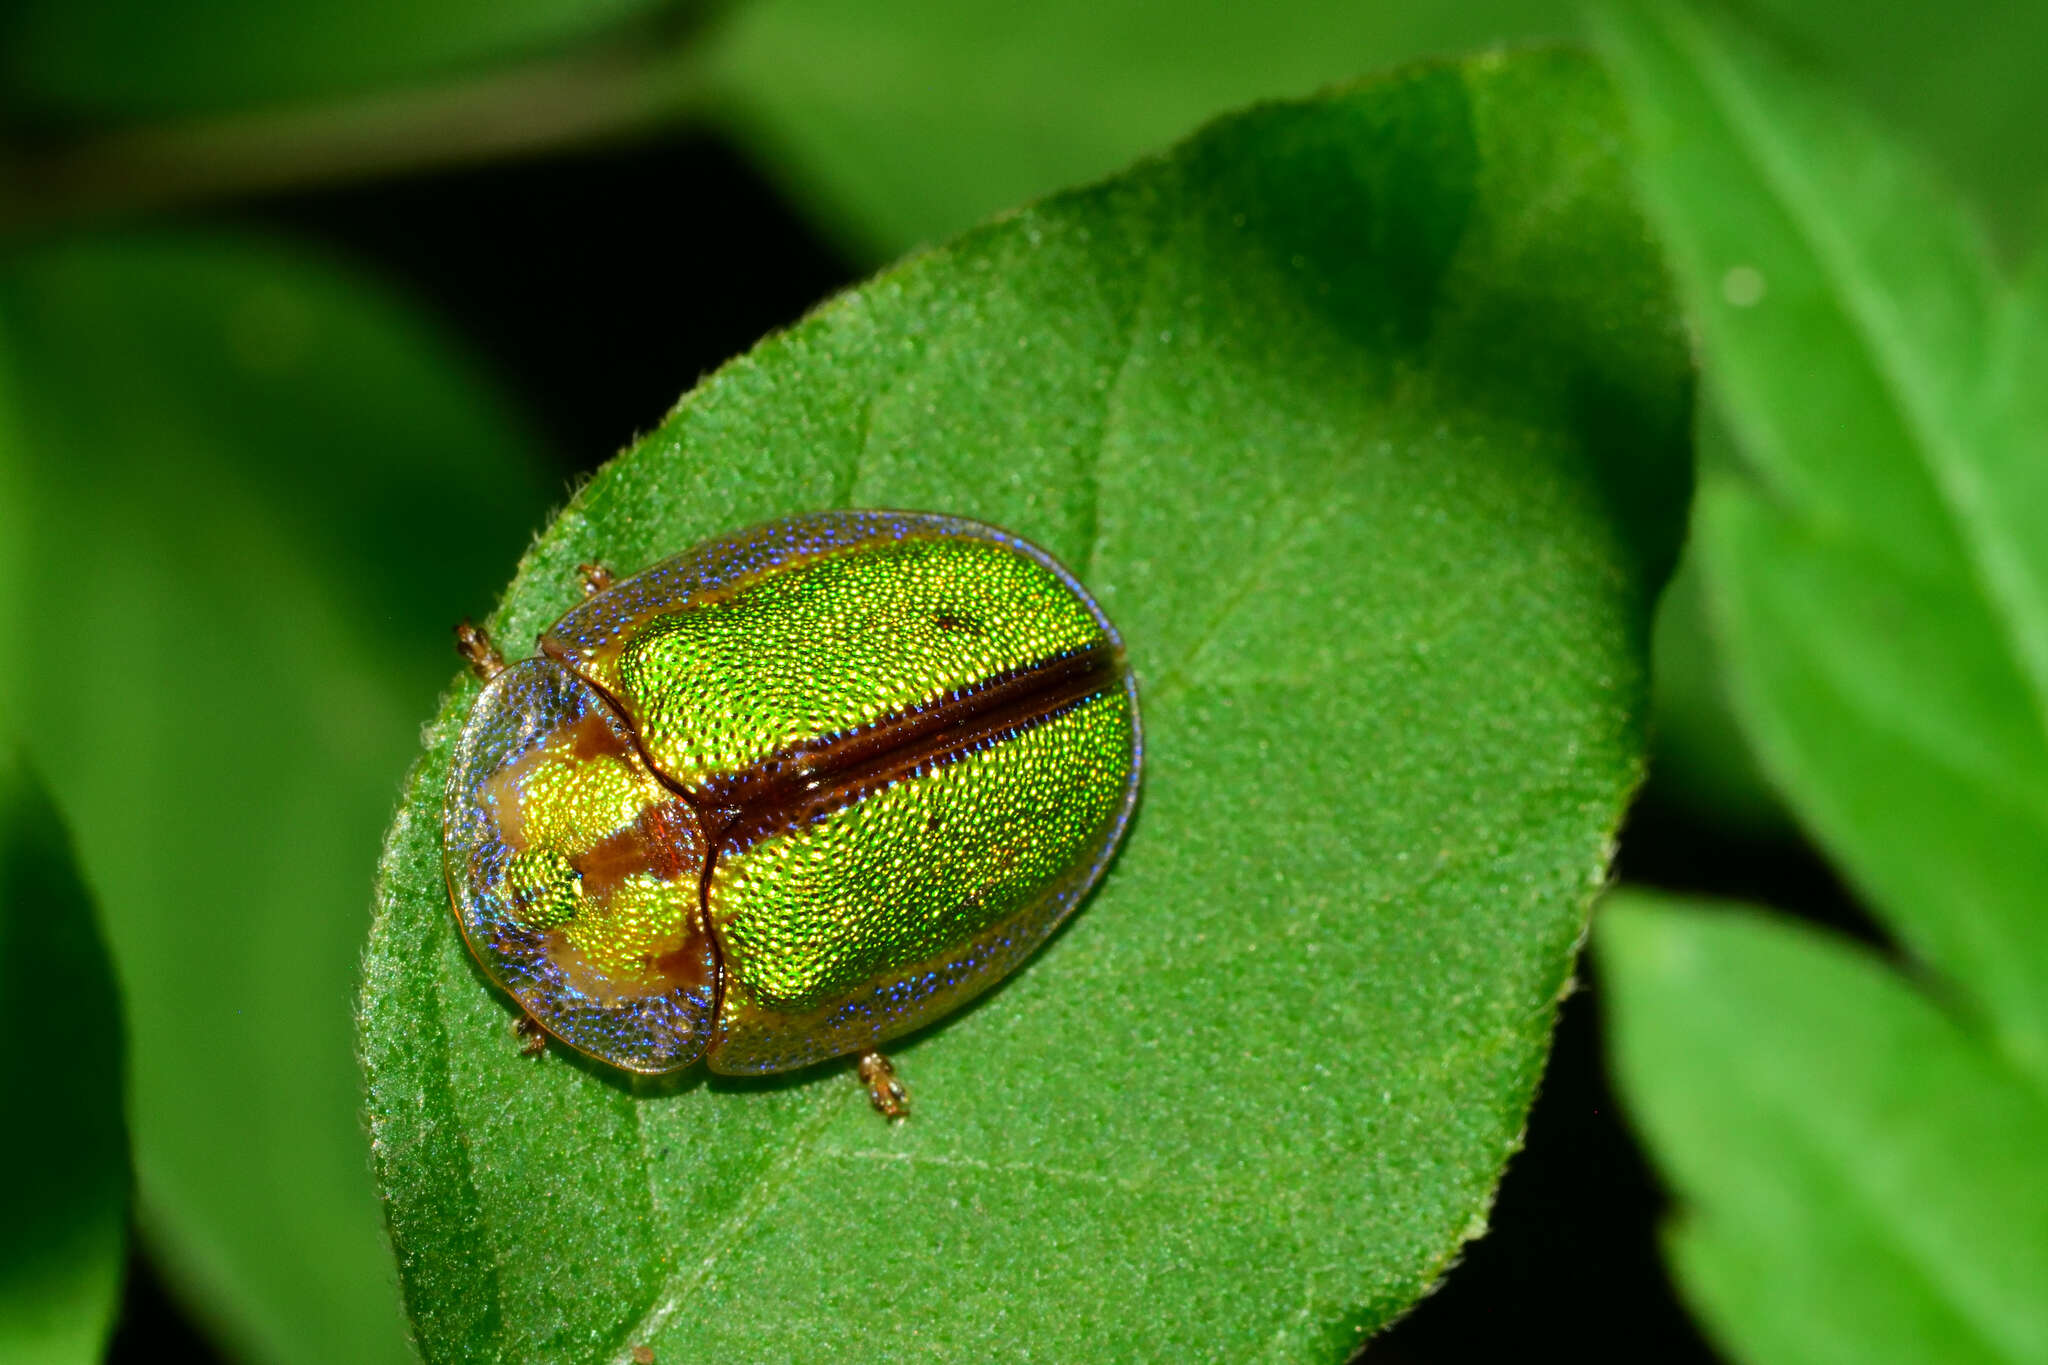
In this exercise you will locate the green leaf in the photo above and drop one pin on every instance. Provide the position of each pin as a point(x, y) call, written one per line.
point(1960, 79)
point(260, 492)
point(1860, 1169)
point(65, 1233)
point(15, 518)
point(1882, 589)
point(66, 1230)
point(904, 121)
point(1843, 299)
point(2011, 439)
point(1366, 420)
point(134, 58)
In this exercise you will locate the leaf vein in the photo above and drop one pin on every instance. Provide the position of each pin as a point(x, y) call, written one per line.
point(961, 1161)
point(1254, 578)
point(1112, 408)
point(768, 1186)
point(863, 438)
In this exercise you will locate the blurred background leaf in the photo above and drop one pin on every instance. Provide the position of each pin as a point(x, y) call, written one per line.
point(107, 59)
point(1858, 1155)
point(902, 121)
point(1862, 1172)
point(1365, 418)
point(1882, 583)
point(62, 1072)
point(258, 489)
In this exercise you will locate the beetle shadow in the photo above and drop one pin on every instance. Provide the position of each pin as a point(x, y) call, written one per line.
point(816, 1073)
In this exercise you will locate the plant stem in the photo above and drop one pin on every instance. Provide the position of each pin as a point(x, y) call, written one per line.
point(590, 96)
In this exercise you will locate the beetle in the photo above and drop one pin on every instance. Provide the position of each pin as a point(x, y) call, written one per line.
point(789, 794)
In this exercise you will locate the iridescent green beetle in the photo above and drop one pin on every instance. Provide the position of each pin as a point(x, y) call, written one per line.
point(791, 793)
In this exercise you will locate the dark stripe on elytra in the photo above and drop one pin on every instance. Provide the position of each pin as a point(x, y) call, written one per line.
point(796, 786)
point(801, 766)
point(806, 781)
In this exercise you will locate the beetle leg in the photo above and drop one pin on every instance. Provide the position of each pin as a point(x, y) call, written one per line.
point(885, 1092)
point(596, 578)
point(533, 1042)
point(472, 644)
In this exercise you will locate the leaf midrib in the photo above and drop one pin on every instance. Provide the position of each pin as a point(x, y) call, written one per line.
point(762, 1192)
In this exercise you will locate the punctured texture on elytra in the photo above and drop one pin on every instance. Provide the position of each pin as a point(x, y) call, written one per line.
point(791, 793)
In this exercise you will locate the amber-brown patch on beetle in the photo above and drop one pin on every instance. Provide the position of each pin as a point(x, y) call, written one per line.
point(655, 844)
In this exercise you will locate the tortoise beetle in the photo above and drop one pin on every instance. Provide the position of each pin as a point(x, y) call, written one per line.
point(794, 792)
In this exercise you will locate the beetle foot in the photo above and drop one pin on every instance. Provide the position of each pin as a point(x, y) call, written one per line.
point(885, 1092)
point(596, 578)
point(532, 1042)
point(474, 645)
